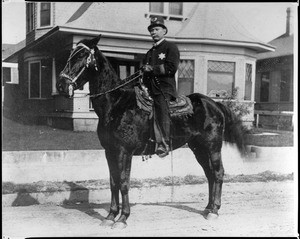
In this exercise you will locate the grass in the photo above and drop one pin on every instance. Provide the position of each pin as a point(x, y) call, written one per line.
point(19, 137)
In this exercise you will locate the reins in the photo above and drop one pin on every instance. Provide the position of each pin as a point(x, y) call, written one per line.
point(134, 75)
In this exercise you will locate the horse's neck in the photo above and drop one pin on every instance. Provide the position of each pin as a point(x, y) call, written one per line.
point(105, 80)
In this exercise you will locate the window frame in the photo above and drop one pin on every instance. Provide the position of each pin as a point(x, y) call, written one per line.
point(39, 15)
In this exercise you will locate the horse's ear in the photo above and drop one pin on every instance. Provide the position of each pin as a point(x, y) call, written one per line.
point(95, 41)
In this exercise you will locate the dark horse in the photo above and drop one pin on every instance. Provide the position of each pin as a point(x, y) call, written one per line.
point(124, 129)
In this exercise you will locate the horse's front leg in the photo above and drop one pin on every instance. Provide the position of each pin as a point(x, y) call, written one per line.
point(124, 165)
point(114, 187)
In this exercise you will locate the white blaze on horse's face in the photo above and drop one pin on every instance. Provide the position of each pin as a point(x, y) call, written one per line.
point(71, 91)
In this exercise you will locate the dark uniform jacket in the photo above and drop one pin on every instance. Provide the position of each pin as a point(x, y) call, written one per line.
point(164, 59)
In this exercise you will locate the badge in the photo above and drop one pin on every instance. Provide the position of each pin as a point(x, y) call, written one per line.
point(162, 56)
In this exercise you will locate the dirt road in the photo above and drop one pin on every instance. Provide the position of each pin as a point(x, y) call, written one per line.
point(248, 209)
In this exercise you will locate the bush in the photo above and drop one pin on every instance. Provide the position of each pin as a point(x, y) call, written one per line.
point(240, 109)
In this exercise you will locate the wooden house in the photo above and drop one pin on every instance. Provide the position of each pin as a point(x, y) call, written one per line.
point(217, 54)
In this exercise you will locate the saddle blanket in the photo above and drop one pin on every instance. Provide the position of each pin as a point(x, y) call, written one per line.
point(181, 107)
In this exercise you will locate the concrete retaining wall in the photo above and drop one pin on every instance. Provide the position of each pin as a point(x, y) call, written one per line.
point(77, 165)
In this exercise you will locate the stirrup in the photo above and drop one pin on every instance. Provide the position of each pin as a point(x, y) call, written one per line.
point(162, 151)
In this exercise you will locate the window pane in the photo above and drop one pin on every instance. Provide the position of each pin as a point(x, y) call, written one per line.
point(46, 78)
point(221, 66)
point(186, 77)
point(29, 16)
point(123, 71)
point(157, 7)
point(264, 87)
point(45, 14)
point(175, 8)
point(285, 84)
point(219, 84)
point(185, 86)
point(15, 75)
point(248, 82)
point(220, 78)
point(34, 80)
point(6, 75)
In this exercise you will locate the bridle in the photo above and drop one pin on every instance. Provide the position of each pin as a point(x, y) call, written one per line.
point(90, 60)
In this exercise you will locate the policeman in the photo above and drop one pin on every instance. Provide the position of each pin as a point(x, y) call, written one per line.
point(161, 64)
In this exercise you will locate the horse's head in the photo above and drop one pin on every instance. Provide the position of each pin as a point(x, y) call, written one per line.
point(81, 60)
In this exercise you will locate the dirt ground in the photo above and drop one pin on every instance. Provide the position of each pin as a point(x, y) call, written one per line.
point(263, 209)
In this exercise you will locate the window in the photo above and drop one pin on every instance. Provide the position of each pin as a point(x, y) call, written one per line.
point(264, 87)
point(220, 78)
point(45, 14)
point(157, 7)
point(248, 81)
point(175, 8)
point(6, 75)
point(40, 79)
point(29, 17)
point(169, 10)
point(186, 77)
point(285, 85)
point(34, 80)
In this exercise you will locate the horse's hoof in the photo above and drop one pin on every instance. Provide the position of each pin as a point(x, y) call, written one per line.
point(107, 223)
point(212, 216)
point(119, 225)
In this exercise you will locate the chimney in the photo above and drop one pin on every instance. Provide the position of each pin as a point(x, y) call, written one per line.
point(289, 22)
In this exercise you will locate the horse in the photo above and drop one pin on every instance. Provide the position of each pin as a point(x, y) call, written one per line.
point(124, 129)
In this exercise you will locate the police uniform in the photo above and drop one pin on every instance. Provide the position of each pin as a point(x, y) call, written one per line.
point(164, 60)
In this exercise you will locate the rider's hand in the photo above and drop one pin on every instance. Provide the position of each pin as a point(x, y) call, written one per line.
point(147, 68)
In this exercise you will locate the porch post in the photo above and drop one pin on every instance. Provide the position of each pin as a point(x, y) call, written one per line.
point(54, 90)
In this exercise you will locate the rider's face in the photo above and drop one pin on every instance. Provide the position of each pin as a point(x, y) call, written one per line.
point(157, 33)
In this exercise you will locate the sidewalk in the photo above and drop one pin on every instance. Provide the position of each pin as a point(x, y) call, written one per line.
point(77, 165)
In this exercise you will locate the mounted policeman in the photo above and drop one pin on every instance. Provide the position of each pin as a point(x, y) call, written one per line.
point(160, 65)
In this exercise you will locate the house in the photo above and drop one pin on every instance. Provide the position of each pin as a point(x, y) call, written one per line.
point(10, 74)
point(217, 55)
point(274, 88)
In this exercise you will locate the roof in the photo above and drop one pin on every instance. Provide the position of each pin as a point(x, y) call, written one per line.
point(9, 49)
point(202, 23)
point(284, 46)
point(214, 21)
point(127, 20)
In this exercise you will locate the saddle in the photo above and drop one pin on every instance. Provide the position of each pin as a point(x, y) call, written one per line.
point(181, 107)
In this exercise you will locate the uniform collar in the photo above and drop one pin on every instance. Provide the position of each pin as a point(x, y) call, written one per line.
point(159, 42)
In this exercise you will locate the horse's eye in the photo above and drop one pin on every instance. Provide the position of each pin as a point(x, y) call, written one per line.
point(82, 54)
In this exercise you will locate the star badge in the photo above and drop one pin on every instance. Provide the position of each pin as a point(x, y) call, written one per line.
point(162, 56)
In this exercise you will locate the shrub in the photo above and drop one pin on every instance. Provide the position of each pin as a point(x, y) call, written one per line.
point(240, 109)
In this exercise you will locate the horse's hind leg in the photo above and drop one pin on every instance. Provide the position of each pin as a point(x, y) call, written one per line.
point(218, 174)
point(211, 163)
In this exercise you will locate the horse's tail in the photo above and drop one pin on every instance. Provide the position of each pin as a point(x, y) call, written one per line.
point(234, 132)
